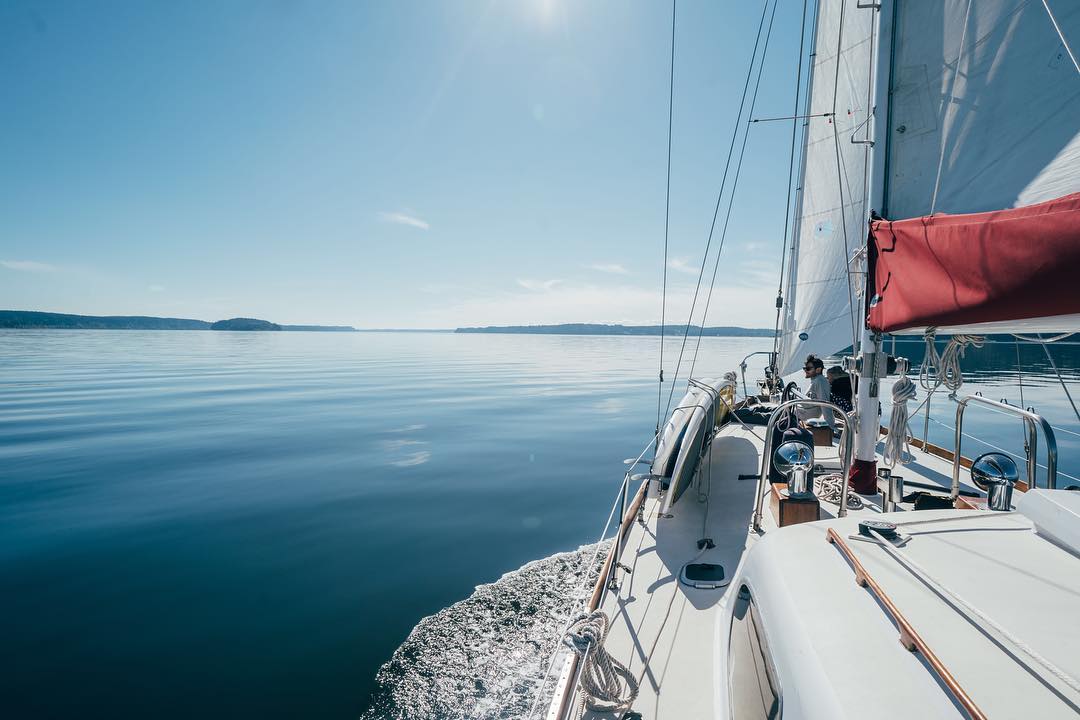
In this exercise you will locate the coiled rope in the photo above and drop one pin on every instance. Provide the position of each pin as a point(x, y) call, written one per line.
point(607, 684)
point(944, 369)
point(896, 442)
point(829, 488)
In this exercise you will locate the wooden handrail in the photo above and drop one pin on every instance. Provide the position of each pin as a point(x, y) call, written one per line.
point(598, 589)
point(909, 637)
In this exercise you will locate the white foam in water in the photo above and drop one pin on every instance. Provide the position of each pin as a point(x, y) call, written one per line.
point(485, 657)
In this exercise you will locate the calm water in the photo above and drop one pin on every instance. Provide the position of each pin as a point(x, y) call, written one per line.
point(250, 524)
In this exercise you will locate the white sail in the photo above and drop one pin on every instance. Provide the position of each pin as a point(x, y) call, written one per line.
point(832, 213)
point(1000, 116)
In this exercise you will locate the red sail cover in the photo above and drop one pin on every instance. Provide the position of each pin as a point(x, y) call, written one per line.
point(953, 270)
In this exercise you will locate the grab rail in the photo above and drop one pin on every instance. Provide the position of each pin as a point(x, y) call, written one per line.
point(1030, 420)
point(847, 452)
point(742, 366)
point(624, 489)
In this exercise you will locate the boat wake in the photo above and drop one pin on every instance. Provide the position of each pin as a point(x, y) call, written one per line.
point(485, 657)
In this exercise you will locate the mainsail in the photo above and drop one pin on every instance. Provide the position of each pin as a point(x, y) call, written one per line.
point(984, 116)
point(830, 225)
point(984, 125)
point(985, 110)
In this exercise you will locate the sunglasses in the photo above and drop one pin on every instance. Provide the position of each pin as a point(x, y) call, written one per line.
point(808, 368)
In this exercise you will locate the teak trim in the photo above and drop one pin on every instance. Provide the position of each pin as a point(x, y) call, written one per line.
point(598, 589)
point(909, 637)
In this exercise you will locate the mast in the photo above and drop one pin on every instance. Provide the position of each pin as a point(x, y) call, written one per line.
point(871, 362)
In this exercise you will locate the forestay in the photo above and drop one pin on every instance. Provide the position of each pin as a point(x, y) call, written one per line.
point(832, 212)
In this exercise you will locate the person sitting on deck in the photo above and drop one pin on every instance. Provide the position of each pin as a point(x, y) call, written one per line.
point(814, 368)
point(839, 387)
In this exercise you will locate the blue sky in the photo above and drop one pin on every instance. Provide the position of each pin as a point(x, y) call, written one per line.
point(383, 164)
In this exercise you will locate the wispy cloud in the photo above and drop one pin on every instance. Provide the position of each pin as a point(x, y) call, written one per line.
point(612, 268)
point(757, 273)
point(399, 218)
point(538, 285)
point(28, 266)
point(681, 265)
point(156, 288)
point(441, 288)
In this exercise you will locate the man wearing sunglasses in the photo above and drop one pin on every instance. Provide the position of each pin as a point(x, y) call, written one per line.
point(814, 369)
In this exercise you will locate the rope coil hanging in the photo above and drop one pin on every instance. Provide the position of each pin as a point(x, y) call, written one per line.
point(944, 369)
point(896, 442)
point(607, 684)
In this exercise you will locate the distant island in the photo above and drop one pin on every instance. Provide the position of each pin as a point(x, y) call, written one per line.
point(30, 320)
point(245, 324)
point(597, 329)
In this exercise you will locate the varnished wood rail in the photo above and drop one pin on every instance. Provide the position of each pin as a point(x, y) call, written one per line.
point(909, 637)
point(598, 589)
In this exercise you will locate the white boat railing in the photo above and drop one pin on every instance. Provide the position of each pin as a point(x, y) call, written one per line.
point(1015, 456)
point(742, 366)
point(847, 452)
point(1032, 420)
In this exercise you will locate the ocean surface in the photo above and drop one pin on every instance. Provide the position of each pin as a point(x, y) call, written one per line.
point(251, 524)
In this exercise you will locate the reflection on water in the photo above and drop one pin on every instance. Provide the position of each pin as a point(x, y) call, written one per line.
point(250, 524)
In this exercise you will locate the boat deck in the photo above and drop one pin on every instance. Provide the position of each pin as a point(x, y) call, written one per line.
point(665, 632)
point(662, 630)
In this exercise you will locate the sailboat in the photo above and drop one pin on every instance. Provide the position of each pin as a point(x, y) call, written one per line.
point(759, 568)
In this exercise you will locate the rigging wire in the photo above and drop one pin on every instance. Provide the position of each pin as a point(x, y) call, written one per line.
point(734, 187)
point(793, 117)
point(1020, 374)
point(1045, 341)
point(719, 197)
point(992, 446)
point(800, 192)
point(667, 218)
point(1020, 379)
point(864, 276)
point(1061, 35)
point(790, 186)
point(948, 103)
point(840, 173)
point(991, 341)
point(1060, 379)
